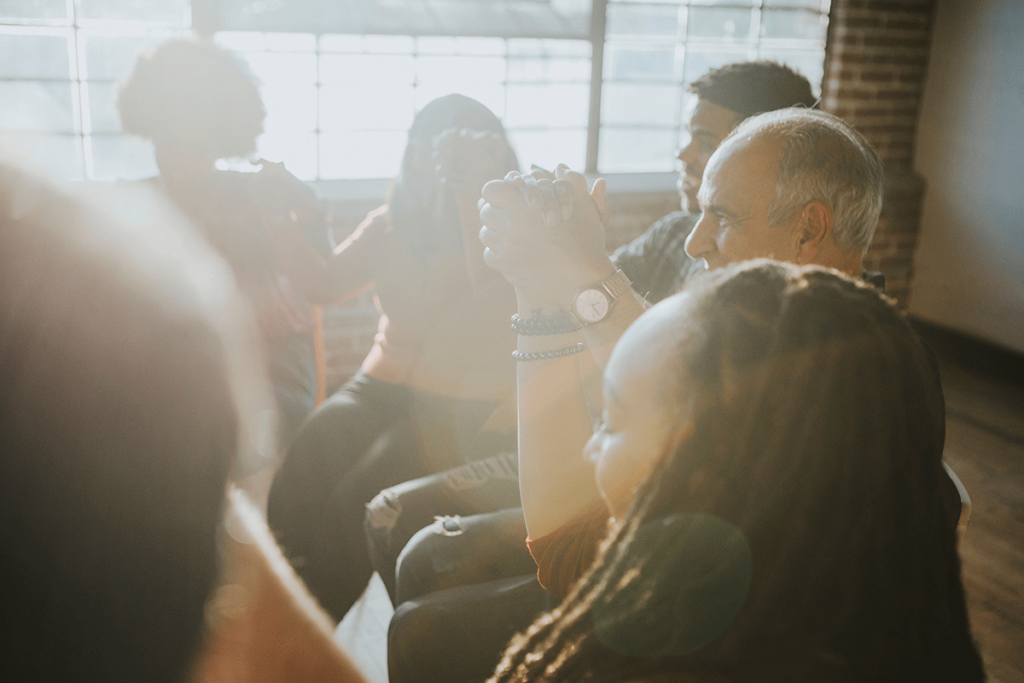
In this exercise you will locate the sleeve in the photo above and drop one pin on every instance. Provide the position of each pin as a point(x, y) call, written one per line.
point(656, 261)
point(564, 555)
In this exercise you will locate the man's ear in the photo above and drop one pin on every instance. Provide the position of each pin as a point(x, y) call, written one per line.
point(816, 222)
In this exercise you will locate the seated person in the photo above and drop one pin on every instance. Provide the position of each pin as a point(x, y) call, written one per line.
point(197, 104)
point(791, 158)
point(128, 381)
point(658, 266)
point(767, 473)
point(429, 394)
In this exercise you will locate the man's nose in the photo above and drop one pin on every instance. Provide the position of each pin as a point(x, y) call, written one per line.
point(701, 240)
point(685, 153)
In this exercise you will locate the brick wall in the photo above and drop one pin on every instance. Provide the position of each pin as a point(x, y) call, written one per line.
point(875, 71)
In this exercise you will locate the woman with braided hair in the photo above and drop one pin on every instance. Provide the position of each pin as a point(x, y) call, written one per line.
point(768, 458)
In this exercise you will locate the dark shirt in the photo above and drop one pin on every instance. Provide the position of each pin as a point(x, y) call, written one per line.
point(656, 262)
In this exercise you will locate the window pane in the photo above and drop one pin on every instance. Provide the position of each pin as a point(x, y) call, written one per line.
point(361, 155)
point(121, 157)
point(640, 21)
point(291, 42)
point(635, 103)
point(60, 153)
point(548, 148)
point(491, 96)
point(297, 151)
point(112, 57)
point(174, 12)
point(38, 107)
point(534, 69)
point(28, 56)
point(699, 62)
point(34, 9)
point(290, 108)
point(241, 41)
point(793, 25)
point(547, 106)
point(456, 70)
point(820, 5)
point(733, 3)
point(282, 67)
point(369, 69)
point(366, 108)
point(528, 47)
point(399, 45)
point(630, 62)
point(625, 150)
point(98, 98)
point(713, 22)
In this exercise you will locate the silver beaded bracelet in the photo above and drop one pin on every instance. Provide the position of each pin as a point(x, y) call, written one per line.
point(545, 355)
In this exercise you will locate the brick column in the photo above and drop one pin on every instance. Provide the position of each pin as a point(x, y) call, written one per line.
point(875, 68)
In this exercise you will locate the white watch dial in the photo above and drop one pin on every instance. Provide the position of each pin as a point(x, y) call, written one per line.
point(592, 305)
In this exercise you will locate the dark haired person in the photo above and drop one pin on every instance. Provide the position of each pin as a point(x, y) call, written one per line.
point(770, 463)
point(429, 394)
point(197, 104)
point(656, 262)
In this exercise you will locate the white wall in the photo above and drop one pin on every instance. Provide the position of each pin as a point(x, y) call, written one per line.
point(970, 149)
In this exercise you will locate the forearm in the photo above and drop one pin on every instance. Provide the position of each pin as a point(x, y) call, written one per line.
point(555, 481)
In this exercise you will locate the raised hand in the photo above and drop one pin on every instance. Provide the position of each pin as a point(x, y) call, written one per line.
point(541, 190)
point(549, 246)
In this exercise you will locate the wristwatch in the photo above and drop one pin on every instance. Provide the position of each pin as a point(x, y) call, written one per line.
point(592, 304)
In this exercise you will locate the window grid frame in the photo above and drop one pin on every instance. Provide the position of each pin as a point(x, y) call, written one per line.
point(73, 24)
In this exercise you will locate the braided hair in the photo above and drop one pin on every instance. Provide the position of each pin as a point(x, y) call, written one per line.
point(816, 445)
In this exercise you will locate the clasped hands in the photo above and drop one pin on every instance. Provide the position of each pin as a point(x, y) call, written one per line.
point(545, 233)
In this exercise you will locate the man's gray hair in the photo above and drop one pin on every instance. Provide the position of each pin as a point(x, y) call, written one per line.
point(822, 158)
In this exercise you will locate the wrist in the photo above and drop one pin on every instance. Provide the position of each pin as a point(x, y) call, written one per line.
point(586, 275)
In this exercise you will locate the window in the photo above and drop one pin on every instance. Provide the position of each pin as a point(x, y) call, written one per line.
point(59, 66)
point(341, 88)
point(653, 49)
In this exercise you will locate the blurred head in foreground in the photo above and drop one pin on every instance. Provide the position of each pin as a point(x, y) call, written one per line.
point(771, 451)
point(126, 375)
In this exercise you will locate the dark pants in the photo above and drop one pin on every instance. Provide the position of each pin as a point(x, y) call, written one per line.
point(366, 437)
point(465, 586)
point(458, 635)
point(399, 512)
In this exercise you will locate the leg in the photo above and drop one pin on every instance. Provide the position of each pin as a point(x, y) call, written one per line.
point(395, 514)
point(322, 456)
point(459, 551)
point(459, 635)
point(337, 566)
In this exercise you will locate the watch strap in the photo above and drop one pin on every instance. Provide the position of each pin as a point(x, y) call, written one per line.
point(615, 286)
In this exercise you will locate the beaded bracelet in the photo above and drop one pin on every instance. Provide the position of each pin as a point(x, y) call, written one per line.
point(539, 324)
point(545, 355)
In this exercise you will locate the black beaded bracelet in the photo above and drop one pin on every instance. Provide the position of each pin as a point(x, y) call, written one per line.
point(539, 324)
point(545, 355)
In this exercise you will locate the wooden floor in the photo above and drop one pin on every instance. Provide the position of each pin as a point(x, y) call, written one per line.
point(985, 447)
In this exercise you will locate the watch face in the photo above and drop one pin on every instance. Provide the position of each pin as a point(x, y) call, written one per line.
point(592, 305)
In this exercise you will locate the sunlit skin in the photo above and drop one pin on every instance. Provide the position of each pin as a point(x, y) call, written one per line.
point(641, 419)
point(737, 192)
point(736, 195)
point(707, 124)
